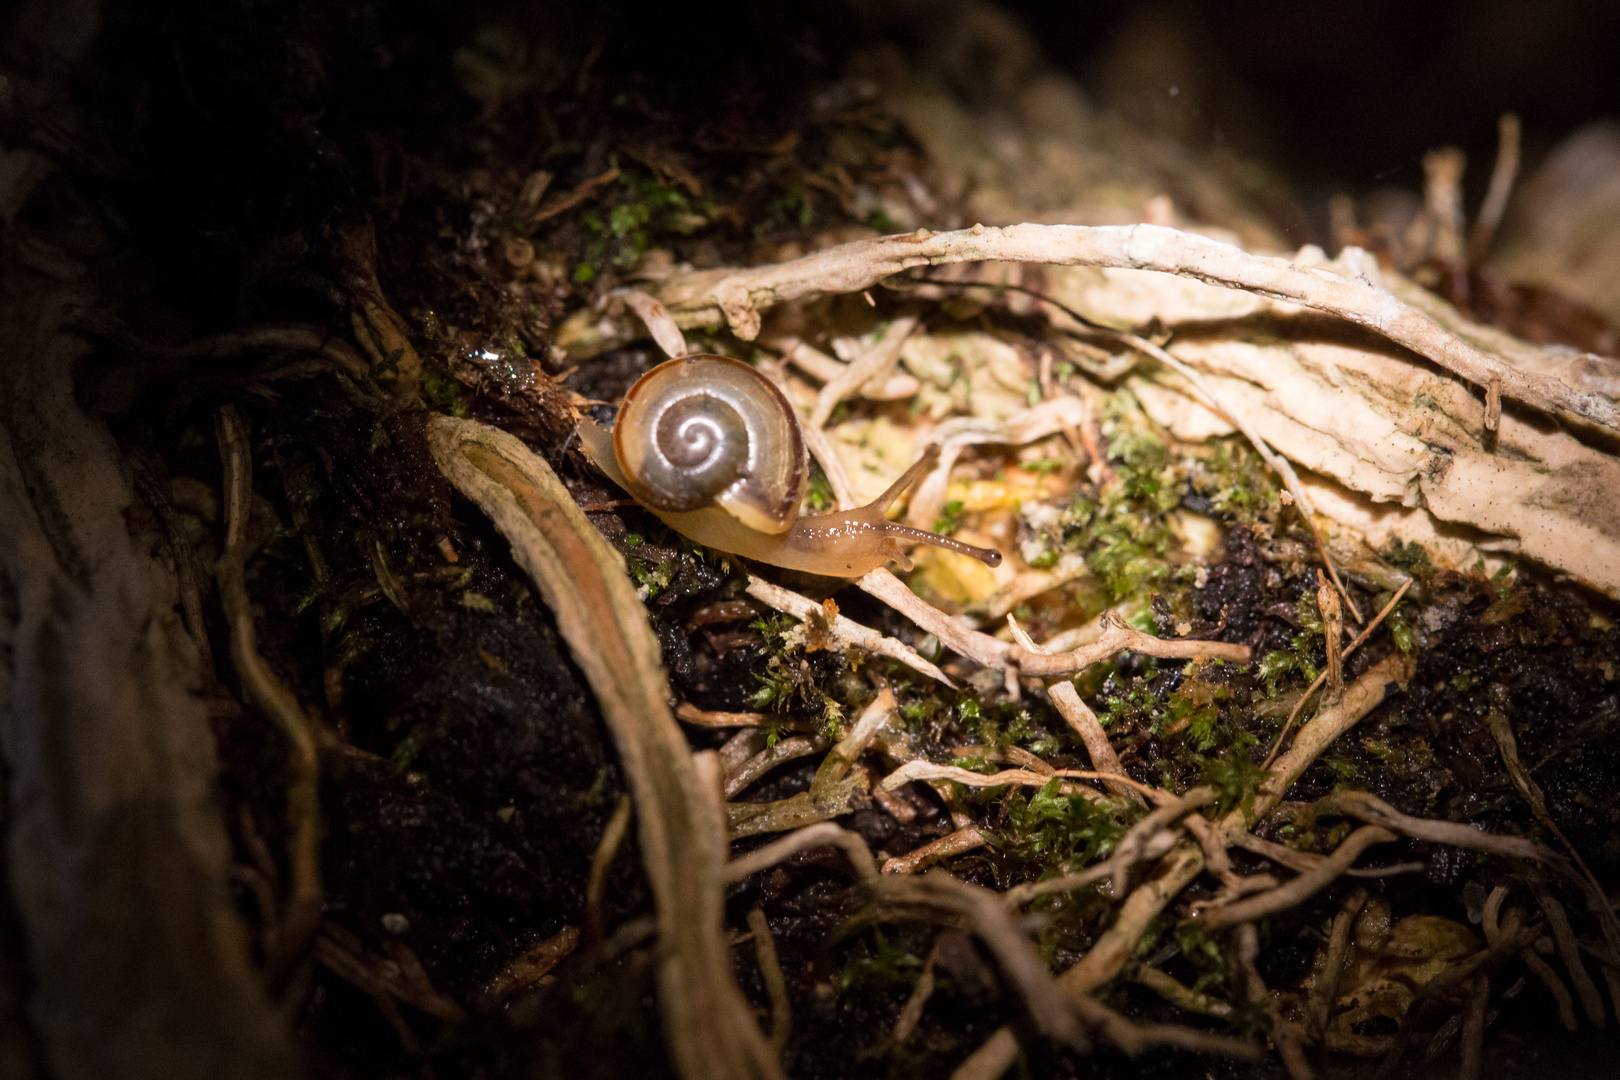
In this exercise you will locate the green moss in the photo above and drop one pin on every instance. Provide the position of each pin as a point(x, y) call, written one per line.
point(1204, 954)
point(1122, 530)
point(1409, 557)
point(1053, 832)
point(1237, 483)
point(881, 963)
point(1235, 777)
point(819, 497)
point(636, 213)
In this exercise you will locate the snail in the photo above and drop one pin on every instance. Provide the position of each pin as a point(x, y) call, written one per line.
point(713, 448)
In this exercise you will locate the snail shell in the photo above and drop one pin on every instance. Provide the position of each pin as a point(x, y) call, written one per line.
point(706, 429)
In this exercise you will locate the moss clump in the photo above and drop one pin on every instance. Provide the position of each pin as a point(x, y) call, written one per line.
point(639, 213)
point(1236, 483)
point(1122, 530)
point(1047, 832)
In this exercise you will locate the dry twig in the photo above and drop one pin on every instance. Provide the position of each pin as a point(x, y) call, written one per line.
point(533, 964)
point(1366, 632)
point(1300, 888)
point(596, 885)
point(811, 836)
point(769, 758)
point(1283, 1033)
point(1118, 637)
point(302, 909)
point(951, 844)
point(845, 631)
point(1066, 699)
point(834, 790)
point(1495, 204)
point(770, 973)
point(582, 191)
point(1325, 987)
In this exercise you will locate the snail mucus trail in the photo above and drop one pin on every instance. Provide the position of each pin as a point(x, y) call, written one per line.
point(712, 448)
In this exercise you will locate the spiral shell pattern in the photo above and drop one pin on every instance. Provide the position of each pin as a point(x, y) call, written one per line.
point(704, 430)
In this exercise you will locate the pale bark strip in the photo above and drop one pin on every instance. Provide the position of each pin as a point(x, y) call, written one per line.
point(737, 296)
point(711, 1032)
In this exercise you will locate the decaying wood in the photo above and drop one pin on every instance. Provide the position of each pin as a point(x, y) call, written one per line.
point(710, 1029)
point(118, 857)
point(705, 298)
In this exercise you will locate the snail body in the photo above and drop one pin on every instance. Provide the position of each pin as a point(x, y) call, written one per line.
point(714, 450)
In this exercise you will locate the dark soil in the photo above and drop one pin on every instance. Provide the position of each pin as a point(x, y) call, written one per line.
point(225, 145)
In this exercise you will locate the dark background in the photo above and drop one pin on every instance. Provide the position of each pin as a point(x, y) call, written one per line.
point(1344, 95)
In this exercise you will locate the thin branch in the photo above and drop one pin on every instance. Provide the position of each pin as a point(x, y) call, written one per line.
point(688, 713)
point(1284, 1034)
point(1022, 966)
point(959, 842)
point(1135, 839)
point(911, 1014)
point(1105, 960)
point(1570, 953)
point(1372, 809)
point(581, 192)
point(1555, 986)
point(1302, 887)
point(980, 648)
point(1182, 996)
point(534, 964)
point(1113, 867)
point(1325, 987)
point(1473, 1035)
point(769, 758)
point(664, 332)
point(736, 296)
point(824, 834)
point(1118, 637)
point(1366, 632)
point(1066, 699)
point(870, 365)
point(928, 770)
point(1360, 698)
point(1501, 187)
point(818, 365)
point(770, 973)
point(845, 631)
